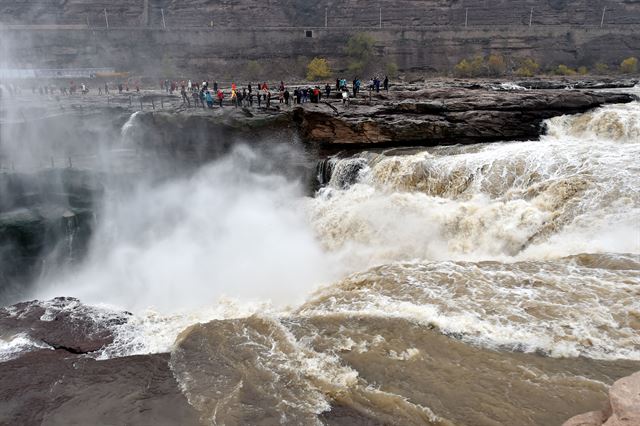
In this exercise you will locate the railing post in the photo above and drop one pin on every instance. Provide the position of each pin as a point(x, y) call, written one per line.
point(164, 25)
point(326, 17)
point(530, 16)
point(466, 16)
point(604, 10)
point(380, 18)
point(106, 18)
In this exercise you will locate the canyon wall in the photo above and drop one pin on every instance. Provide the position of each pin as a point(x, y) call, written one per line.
point(201, 37)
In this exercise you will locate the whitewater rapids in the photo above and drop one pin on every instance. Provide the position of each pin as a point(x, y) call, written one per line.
point(418, 286)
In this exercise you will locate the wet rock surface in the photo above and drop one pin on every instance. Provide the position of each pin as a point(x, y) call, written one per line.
point(46, 219)
point(622, 408)
point(444, 116)
point(58, 388)
point(62, 323)
point(434, 113)
point(56, 382)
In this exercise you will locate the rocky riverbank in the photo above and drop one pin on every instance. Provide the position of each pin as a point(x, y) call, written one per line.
point(410, 114)
point(621, 409)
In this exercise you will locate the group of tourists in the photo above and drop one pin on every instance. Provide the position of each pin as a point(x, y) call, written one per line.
point(208, 95)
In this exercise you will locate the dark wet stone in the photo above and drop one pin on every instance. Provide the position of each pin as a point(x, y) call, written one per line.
point(62, 323)
point(57, 388)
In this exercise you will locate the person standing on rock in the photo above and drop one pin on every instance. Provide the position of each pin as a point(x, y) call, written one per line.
point(286, 97)
point(234, 98)
point(249, 88)
point(185, 99)
point(196, 97)
point(385, 83)
point(327, 90)
point(345, 97)
point(268, 99)
point(220, 97)
point(209, 99)
point(106, 89)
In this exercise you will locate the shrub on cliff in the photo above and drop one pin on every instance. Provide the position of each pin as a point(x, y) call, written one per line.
point(583, 70)
point(391, 69)
point(318, 69)
point(602, 68)
point(527, 68)
point(361, 52)
point(496, 65)
point(470, 68)
point(629, 65)
point(564, 70)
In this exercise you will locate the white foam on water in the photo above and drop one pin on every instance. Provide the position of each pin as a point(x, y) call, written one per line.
point(559, 307)
point(181, 246)
point(575, 191)
point(15, 346)
point(150, 331)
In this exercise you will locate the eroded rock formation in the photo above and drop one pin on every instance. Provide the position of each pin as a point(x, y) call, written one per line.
point(622, 408)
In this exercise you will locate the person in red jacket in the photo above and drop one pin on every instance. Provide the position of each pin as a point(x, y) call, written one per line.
point(220, 97)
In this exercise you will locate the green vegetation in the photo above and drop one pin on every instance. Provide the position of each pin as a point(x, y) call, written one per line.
point(391, 69)
point(361, 52)
point(496, 65)
point(564, 70)
point(527, 68)
point(602, 68)
point(318, 69)
point(583, 70)
point(470, 68)
point(629, 65)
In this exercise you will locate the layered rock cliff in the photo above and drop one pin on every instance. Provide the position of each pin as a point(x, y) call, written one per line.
point(183, 38)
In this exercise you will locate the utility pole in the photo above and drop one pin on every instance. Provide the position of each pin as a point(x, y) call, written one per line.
point(164, 25)
point(466, 16)
point(106, 18)
point(380, 17)
point(326, 17)
point(604, 10)
point(531, 17)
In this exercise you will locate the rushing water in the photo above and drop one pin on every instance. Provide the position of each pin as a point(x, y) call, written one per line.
point(482, 284)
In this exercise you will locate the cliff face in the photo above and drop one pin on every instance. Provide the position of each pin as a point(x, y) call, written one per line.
point(221, 36)
point(343, 13)
point(283, 53)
